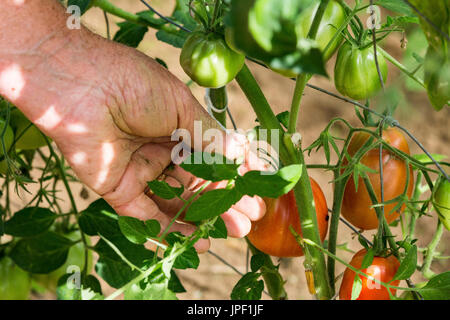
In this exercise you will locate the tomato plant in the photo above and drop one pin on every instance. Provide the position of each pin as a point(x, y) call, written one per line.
point(28, 136)
point(76, 258)
point(355, 72)
point(333, 18)
point(441, 201)
point(357, 203)
point(272, 235)
point(15, 283)
point(208, 60)
point(138, 259)
point(382, 269)
point(8, 139)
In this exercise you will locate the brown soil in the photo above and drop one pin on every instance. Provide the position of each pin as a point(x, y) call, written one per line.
point(213, 279)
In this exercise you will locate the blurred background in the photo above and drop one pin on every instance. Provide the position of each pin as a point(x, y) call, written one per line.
point(215, 280)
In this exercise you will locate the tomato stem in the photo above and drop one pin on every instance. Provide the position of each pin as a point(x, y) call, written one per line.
point(272, 277)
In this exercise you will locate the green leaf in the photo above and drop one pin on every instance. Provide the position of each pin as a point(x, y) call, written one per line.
point(163, 190)
point(266, 31)
point(283, 117)
point(438, 288)
point(212, 203)
point(269, 185)
point(437, 12)
point(424, 158)
point(152, 291)
point(408, 264)
point(248, 287)
point(368, 258)
point(138, 231)
point(257, 261)
point(78, 287)
point(357, 287)
point(41, 254)
point(396, 6)
point(130, 34)
point(99, 218)
point(220, 230)
point(188, 259)
point(110, 266)
point(29, 222)
point(210, 167)
point(153, 227)
point(82, 4)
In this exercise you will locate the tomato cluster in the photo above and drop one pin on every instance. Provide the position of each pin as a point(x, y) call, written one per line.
point(356, 206)
point(272, 235)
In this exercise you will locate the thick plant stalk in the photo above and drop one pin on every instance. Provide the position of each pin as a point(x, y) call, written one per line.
point(303, 191)
point(334, 225)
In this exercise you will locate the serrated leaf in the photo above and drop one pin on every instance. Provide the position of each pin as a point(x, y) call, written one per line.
point(163, 190)
point(130, 34)
point(408, 265)
point(425, 158)
point(368, 259)
point(269, 185)
point(248, 287)
point(153, 227)
point(41, 254)
point(256, 262)
point(29, 222)
point(210, 167)
point(220, 230)
point(212, 203)
point(438, 288)
point(153, 291)
point(357, 287)
point(396, 6)
point(136, 230)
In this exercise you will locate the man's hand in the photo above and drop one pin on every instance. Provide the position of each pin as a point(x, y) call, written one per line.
point(111, 111)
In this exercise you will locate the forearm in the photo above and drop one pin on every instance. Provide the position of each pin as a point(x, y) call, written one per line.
point(40, 58)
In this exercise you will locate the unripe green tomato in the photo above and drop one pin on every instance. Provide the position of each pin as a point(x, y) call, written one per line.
point(30, 139)
point(74, 258)
point(437, 78)
point(9, 139)
point(207, 60)
point(356, 74)
point(15, 283)
point(333, 18)
point(441, 201)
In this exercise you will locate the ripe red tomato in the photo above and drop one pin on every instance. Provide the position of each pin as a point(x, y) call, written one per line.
point(356, 204)
point(271, 234)
point(382, 269)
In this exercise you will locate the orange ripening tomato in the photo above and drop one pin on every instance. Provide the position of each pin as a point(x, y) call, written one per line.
point(382, 269)
point(271, 234)
point(356, 204)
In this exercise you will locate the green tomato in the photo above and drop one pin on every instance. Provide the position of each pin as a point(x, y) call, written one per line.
point(15, 283)
point(355, 73)
point(437, 78)
point(441, 201)
point(31, 138)
point(75, 257)
point(208, 60)
point(333, 18)
point(9, 139)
